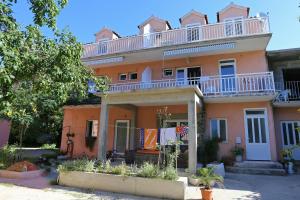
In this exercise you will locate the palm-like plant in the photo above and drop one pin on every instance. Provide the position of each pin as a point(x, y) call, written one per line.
point(207, 177)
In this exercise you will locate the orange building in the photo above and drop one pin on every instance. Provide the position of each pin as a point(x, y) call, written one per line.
point(214, 78)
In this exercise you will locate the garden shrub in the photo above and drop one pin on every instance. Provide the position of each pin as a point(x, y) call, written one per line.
point(83, 165)
point(9, 154)
point(148, 170)
point(169, 173)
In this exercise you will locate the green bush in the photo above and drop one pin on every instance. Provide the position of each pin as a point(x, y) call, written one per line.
point(148, 170)
point(120, 170)
point(170, 173)
point(83, 165)
point(48, 146)
point(9, 154)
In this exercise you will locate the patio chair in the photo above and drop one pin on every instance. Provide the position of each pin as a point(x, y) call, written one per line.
point(283, 96)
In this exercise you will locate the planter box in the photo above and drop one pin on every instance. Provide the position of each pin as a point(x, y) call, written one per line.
point(20, 175)
point(130, 185)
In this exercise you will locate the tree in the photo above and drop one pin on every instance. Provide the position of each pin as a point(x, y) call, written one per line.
point(38, 74)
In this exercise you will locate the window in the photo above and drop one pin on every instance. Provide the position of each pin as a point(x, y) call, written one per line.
point(91, 128)
point(218, 128)
point(133, 76)
point(227, 71)
point(175, 123)
point(122, 77)
point(168, 72)
point(234, 26)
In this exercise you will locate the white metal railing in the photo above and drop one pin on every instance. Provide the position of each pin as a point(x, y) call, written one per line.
point(243, 27)
point(239, 84)
point(288, 90)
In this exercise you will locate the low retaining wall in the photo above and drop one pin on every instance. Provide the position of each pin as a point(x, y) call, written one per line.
point(129, 185)
point(20, 175)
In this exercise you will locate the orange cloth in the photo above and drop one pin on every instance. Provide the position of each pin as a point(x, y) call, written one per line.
point(150, 139)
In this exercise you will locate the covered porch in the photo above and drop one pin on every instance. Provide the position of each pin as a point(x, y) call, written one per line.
point(190, 98)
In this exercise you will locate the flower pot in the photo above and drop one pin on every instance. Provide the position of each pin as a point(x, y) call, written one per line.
point(194, 181)
point(206, 194)
point(290, 168)
point(238, 158)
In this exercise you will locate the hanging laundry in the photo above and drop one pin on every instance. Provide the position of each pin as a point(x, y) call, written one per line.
point(150, 139)
point(142, 135)
point(167, 136)
point(182, 130)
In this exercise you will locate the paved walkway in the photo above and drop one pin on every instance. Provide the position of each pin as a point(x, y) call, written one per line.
point(237, 187)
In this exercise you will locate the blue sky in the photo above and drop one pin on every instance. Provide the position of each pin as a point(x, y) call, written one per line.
point(86, 17)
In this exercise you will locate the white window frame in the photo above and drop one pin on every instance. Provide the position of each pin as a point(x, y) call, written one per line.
point(121, 75)
point(226, 128)
point(131, 74)
point(94, 133)
point(166, 76)
point(232, 20)
point(229, 63)
point(294, 134)
point(191, 26)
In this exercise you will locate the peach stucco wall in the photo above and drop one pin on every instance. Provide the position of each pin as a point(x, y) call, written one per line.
point(147, 118)
point(232, 12)
point(4, 132)
point(193, 19)
point(245, 63)
point(105, 34)
point(234, 114)
point(156, 26)
point(284, 114)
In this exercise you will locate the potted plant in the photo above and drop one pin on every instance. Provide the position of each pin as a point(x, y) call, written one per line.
point(208, 178)
point(238, 152)
point(287, 157)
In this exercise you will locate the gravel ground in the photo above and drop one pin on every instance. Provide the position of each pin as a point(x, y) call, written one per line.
point(237, 187)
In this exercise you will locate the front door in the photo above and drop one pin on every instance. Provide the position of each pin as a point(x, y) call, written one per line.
point(291, 136)
point(257, 135)
point(121, 136)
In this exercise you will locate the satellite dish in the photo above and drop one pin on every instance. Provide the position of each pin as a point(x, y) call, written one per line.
point(261, 15)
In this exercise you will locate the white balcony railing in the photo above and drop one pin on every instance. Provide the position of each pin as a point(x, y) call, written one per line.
point(243, 27)
point(288, 91)
point(240, 84)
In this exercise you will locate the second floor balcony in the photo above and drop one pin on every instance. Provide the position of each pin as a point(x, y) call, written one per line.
point(186, 35)
point(251, 84)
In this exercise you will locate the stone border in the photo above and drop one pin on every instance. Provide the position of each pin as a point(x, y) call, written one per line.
point(20, 175)
point(125, 184)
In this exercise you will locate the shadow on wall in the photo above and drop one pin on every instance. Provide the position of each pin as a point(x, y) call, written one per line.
point(4, 132)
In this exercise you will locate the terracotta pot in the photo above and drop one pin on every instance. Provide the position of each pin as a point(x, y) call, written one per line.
point(206, 194)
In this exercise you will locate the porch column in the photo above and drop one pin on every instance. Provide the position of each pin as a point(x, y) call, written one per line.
point(132, 130)
point(103, 131)
point(192, 137)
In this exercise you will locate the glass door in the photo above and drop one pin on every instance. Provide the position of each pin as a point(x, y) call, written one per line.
point(181, 76)
point(121, 136)
point(291, 136)
point(257, 135)
point(228, 78)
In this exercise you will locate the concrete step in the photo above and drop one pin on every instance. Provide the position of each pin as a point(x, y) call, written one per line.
point(257, 171)
point(259, 164)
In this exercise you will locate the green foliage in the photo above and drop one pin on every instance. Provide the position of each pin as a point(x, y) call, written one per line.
point(237, 151)
point(83, 165)
point(207, 177)
point(148, 170)
point(8, 155)
point(48, 146)
point(208, 152)
point(38, 74)
point(169, 173)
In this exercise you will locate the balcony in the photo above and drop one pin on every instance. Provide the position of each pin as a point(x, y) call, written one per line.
point(254, 84)
point(188, 35)
point(288, 91)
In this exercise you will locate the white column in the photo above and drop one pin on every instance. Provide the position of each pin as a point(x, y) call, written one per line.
point(192, 137)
point(103, 131)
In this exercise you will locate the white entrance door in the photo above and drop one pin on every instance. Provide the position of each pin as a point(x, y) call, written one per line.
point(257, 135)
point(121, 136)
point(291, 136)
